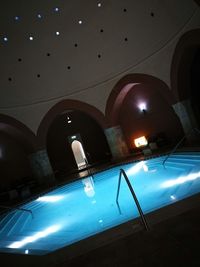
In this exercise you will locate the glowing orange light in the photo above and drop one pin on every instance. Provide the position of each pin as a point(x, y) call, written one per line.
point(141, 141)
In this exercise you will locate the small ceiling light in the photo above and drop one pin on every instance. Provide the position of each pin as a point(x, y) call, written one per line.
point(39, 16)
point(31, 38)
point(56, 9)
point(16, 17)
point(68, 120)
point(57, 33)
point(80, 22)
point(99, 4)
point(5, 39)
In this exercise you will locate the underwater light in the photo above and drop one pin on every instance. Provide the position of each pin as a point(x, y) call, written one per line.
point(49, 198)
point(181, 180)
point(35, 237)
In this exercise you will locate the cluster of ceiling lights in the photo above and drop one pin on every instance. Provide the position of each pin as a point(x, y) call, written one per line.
point(39, 16)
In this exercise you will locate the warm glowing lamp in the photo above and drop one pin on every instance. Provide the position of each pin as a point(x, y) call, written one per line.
point(141, 141)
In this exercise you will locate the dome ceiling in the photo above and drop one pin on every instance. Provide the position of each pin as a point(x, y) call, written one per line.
point(53, 49)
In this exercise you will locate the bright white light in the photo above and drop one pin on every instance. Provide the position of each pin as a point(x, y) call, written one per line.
point(39, 16)
point(35, 237)
point(140, 141)
point(26, 251)
point(99, 4)
point(49, 198)
point(142, 106)
point(16, 17)
point(31, 38)
point(136, 168)
point(173, 197)
point(57, 33)
point(89, 187)
point(80, 22)
point(181, 180)
point(100, 221)
point(56, 9)
point(5, 39)
point(145, 167)
point(69, 121)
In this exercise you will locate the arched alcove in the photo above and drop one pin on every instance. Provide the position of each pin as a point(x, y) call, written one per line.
point(185, 72)
point(17, 142)
point(157, 120)
point(80, 122)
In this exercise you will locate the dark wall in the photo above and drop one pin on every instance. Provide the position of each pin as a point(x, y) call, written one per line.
point(195, 85)
point(93, 140)
point(159, 118)
point(14, 164)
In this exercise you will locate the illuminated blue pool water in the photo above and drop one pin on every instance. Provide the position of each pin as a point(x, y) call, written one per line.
point(83, 208)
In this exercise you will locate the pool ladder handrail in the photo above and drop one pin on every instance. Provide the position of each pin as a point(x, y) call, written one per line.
point(15, 208)
point(122, 172)
point(177, 145)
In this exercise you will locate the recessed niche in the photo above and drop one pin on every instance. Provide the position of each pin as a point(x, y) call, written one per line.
point(38, 75)
point(99, 55)
point(68, 67)
point(101, 30)
point(19, 59)
point(126, 39)
point(152, 14)
point(75, 45)
point(48, 54)
point(9, 79)
point(125, 10)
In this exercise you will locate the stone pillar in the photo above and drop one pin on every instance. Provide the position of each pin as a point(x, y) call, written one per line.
point(41, 167)
point(116, 142)
point(185, 113)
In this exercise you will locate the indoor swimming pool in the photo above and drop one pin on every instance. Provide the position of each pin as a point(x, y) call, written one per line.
point(84, 208)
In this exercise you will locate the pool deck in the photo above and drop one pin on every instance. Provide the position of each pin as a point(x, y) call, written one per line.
point(172, 242)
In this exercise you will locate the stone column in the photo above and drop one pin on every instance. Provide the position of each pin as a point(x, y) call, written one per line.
point(41, 167)
point(116, 142)
point(185, 113)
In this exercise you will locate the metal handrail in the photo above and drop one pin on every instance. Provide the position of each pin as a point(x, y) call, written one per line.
point(133, 195)
point(177, 145)
point(12, 208)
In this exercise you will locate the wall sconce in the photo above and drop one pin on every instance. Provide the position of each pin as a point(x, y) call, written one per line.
point(141, 141)
point(143, 108)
